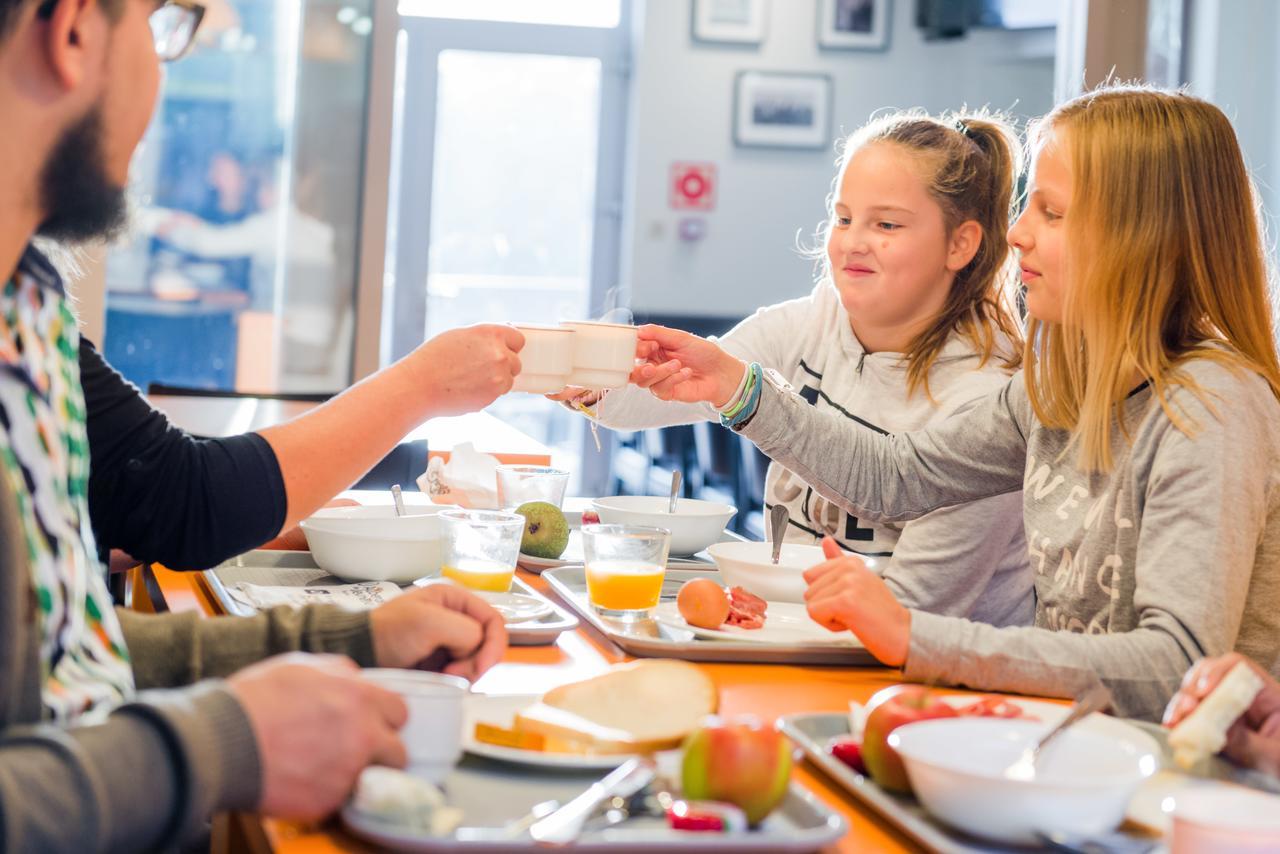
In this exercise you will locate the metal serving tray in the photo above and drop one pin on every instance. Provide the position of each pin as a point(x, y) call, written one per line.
point(298, 569)
point(814, 732)
point(649, 639)
point(494, 795)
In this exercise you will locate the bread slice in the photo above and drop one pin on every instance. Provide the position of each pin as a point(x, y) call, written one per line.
point(1204, 732)
point(634, 708)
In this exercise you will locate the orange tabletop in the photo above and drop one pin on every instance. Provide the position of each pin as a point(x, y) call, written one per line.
point(764, 690)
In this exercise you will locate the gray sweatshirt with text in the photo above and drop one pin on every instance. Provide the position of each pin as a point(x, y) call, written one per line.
point(1171, 556)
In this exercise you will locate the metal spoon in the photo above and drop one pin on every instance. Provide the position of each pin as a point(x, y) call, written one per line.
point(1095, 699)
point(536, 812)
point(779, 518)
point(397, 499)
point(675, 490)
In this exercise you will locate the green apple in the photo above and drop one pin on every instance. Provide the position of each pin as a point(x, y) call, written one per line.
point(742, 762)
point(546, 531)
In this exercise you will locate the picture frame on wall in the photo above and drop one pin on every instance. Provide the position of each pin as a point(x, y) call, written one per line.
point(730, 21)
point(782, 110)
point(854, 24)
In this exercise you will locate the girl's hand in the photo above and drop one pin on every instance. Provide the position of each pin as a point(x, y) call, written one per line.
point(576, 394)
point(684, 367)
point(844, 595)
point(1254, 739)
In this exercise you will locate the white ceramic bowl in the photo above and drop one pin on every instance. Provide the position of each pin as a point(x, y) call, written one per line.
point(694, 526)
point(750, 565)
point(1083, 783)
point(373, 544)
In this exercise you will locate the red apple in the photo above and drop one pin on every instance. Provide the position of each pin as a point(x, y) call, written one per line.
point(742, 762)
point(850, 753)
point(890, 709)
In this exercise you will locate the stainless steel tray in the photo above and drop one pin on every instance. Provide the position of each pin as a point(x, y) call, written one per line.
point(297, 569)
point(493, 795)
point(814, 732)
point(649, 639)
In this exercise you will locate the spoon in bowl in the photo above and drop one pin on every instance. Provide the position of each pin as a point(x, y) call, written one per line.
point(779, 518)
point(675, 491)
point(397, 499)
point(1093, 700)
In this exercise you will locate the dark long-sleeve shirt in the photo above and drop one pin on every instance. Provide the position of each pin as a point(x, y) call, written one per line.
point(163, 495)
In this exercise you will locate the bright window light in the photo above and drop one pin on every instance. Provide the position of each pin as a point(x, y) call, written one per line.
point(566, 13)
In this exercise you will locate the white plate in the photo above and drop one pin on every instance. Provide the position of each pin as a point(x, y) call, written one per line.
point(784, 623)
point(516, 607)
point(500, 710)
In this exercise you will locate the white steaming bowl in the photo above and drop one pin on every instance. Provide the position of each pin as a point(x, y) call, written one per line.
point(695, 525)
point(373, 544)
point(1084, 778)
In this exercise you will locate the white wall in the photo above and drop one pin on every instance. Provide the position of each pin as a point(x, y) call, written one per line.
point(1232, 61)
point(681, 110)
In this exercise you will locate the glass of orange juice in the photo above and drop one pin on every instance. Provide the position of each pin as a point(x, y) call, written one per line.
point(625, 568)
point(480, 548)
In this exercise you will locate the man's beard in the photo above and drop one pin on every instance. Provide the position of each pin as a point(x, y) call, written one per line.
point(78, 198)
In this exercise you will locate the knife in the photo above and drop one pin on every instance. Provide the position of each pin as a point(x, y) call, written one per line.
point(564, 825)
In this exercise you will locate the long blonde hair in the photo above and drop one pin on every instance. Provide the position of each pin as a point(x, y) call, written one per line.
point(1164, 262)
point(970, 164)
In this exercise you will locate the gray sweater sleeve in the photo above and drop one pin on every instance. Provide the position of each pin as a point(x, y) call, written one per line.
point(146, 779)
point(169, 650)
point(974, 454)
point(1203, 515)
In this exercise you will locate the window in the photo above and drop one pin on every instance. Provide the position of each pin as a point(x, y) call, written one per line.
point(257, 144)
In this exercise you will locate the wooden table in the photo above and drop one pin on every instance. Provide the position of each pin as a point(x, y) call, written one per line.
point(766, 691)
point(217, 417)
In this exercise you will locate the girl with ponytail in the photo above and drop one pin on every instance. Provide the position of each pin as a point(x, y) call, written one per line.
point(910, 321)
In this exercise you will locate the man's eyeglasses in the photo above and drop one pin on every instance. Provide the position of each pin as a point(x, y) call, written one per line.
point(173, 26)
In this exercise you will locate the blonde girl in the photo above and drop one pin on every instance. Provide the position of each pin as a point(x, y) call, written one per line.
point(908, 324)
point(1144, 430)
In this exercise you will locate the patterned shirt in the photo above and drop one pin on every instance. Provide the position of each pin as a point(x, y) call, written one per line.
point(44, 454)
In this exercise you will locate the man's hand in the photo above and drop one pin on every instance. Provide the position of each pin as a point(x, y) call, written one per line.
point(464, 370)
point(1254, 739)
point(843, 595)
point(425, 622)
point(318, 725)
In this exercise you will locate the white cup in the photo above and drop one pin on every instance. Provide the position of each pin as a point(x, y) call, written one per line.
point(433, 733)
point(603, 353)
point(1225, 820)
point(546, 359)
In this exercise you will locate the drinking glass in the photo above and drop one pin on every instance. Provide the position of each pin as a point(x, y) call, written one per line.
point(481, 547)
point(520, 484)
point(625, 568)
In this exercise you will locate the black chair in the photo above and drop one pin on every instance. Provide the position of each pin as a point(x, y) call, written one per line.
point(753, 468)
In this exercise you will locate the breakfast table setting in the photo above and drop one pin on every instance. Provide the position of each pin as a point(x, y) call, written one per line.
point(665, 689)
